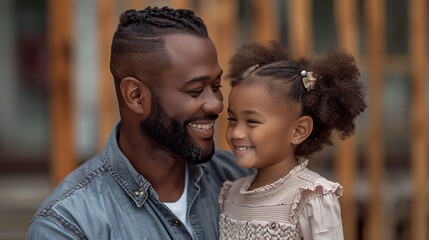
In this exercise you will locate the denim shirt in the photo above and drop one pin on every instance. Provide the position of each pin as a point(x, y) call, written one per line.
point(106, 198)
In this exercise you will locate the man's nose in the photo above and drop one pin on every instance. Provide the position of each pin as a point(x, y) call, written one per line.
point(213, 102)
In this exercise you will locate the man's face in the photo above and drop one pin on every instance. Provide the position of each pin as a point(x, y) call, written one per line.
point(173, 135)
point(188, 99)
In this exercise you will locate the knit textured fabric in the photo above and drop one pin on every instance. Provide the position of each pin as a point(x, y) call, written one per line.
point(272, 211)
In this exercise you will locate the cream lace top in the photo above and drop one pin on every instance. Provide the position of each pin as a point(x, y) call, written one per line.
point(301, 205)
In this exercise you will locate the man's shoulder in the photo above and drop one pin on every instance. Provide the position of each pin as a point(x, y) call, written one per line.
point(223, 159)
point(73, 201)
point(223, 155)
point(84, 177)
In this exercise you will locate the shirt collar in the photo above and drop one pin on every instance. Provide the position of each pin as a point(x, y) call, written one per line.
point(132, 182)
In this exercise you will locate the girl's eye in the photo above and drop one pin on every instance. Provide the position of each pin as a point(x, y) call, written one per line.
point(252, 122)
point(231, 119)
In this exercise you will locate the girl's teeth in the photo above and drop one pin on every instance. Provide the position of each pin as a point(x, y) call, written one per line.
point(243, 148)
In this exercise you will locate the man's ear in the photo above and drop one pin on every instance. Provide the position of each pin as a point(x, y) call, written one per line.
point(136, 95)
point(303, 129)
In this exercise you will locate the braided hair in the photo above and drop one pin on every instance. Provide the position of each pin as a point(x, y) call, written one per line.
point(334, 102)
point(139, 34)
point(153, 22)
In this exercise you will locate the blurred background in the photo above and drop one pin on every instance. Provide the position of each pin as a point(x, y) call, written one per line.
point(58, 105)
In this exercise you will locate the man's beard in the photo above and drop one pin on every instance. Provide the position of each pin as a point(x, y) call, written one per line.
point(169, 133)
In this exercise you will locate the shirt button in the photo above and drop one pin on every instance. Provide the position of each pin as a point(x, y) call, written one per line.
point(138, 193)
point(176, 222)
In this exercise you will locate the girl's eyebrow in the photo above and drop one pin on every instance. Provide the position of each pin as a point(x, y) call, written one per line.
point(247, 112)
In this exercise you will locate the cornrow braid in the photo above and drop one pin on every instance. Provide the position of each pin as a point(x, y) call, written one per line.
point(154, 21)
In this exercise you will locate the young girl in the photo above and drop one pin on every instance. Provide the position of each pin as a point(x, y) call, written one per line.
point(280, 112)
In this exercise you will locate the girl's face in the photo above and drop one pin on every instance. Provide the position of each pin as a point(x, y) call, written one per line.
point(261, 127)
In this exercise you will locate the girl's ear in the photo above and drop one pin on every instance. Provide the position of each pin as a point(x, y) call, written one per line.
point(136, 95)
point(303, 129)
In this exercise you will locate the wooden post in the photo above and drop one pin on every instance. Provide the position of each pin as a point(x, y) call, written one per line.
point(225, 42)
point(346, 153)
point(221, 17)
point(108, 20)
point(182, 4)
point(135, 4)
point(265, 24)
point(63, 150)
point(419, 130)
point(375, 32)
point(301, 36)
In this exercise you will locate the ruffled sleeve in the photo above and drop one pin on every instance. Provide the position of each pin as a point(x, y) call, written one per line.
point(320, 218)
point(224, 193)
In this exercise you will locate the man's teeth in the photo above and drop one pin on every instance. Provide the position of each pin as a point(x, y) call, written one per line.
point(202, 126)
point(243, 148)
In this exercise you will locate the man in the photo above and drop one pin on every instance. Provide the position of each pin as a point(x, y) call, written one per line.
point(158, 176)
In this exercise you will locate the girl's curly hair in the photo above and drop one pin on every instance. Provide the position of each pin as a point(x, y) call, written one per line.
point(333, 104)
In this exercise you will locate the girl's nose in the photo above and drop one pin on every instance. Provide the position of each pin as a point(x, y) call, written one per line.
point(236, 132)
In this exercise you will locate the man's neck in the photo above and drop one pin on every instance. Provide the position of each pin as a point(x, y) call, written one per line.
point(162, 169)
point(168, 183)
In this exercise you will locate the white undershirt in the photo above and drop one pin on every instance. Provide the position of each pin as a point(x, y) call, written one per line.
point(179, 208)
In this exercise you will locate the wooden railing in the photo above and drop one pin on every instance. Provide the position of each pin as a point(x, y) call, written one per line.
point(221, 17)
point(346, 156)
point(419, 131)
point(374, 23)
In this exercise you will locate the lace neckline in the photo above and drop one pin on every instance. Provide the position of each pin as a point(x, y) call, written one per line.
point(303, 162)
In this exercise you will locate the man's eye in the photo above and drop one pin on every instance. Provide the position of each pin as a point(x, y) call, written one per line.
point(216, 87)
point(195, 93)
